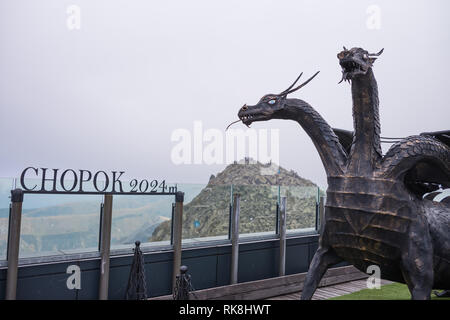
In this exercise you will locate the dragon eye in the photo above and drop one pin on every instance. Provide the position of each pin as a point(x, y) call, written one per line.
point(271, 101)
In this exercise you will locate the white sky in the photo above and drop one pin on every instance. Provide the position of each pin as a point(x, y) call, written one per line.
point(109, 96)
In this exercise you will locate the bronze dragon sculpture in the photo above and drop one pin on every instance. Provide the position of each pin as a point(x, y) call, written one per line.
point(376, 212)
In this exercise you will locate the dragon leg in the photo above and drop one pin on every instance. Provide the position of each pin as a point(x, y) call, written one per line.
point(419, 281)
point(323, 258)
point(417, 262)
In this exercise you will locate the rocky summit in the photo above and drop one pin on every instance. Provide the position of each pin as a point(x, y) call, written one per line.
point(259, 185)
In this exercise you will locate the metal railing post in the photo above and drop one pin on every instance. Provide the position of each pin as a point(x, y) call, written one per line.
point(105, 243)
point(14, 243)
point(235, 239)
point(282, 234)
point(177, 230)
point(321, 213)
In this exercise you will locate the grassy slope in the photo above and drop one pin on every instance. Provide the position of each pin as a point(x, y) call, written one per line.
point(393, 291)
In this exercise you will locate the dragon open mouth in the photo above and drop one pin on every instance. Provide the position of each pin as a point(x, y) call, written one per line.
point(351, 68)
point(356, 62)
point(247, 117)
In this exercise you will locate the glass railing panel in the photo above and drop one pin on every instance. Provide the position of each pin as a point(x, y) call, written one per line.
point(136, 217)
point(59, 224)
point(206, 213)
point(300, 207)
point(258, 208)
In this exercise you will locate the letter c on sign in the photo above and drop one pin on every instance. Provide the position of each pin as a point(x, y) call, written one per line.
point(22, 178)
point(74, 280)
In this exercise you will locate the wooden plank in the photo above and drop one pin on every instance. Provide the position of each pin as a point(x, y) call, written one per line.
point(263, 289)
point(336, 291)
point(328, 295)
point(332, 291)
point(327, 292)
point(360, 284)
point(324, 294)
point(292, 296)
point(318, 296)
point(350, 287)
point(347, 288)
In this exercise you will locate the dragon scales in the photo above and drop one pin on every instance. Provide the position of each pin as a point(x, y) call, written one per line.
point(376, 212)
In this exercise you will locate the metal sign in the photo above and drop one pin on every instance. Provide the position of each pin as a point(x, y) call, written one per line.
point(86, 182)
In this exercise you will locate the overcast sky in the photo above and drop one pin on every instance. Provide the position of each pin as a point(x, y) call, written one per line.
point(110, 94)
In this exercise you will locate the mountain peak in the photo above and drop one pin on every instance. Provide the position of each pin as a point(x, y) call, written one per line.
point(251, 172)
point(207, 215)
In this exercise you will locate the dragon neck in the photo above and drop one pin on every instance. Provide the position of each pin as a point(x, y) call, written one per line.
point(365, 153)
point(326, 142)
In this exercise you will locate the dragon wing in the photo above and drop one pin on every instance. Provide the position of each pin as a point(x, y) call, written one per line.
point(345, 138)
point(422, 162)
point(442, 136)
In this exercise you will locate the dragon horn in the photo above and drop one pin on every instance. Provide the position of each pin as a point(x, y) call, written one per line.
point(377, 54)
point(302, 85)
point(290, 87)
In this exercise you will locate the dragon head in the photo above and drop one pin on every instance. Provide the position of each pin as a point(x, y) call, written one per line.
point(270, 106)
point(356, 62)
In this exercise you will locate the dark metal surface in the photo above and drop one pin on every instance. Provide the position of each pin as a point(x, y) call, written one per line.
point(443, 136)
point(183, 285)
point(105, 245)
point(177, 234)
point(345, 138)
point(282, 235)
point(375, 212)
point(13, 249)
point(179, 196)
point(234, 225)
point(137, 287)
point(17, 195)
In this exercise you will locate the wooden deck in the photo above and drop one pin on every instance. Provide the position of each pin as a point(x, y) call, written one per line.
point(285, 287)
point(332, 291)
